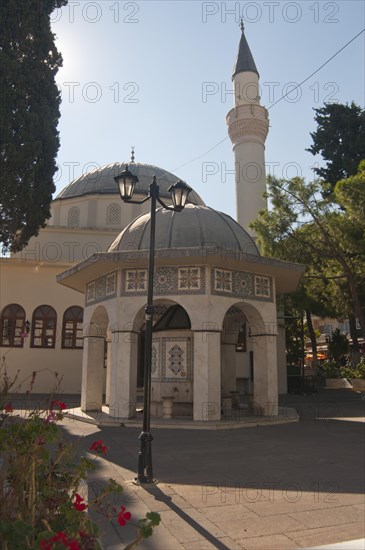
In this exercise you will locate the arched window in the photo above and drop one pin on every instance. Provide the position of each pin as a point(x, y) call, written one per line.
point(72, 328)
point(113, 214)
point(73, 217)
point(44, 324)
point(12, 326)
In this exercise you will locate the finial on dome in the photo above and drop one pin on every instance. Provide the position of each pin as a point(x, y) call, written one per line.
point(242, 25)
point(132, 153)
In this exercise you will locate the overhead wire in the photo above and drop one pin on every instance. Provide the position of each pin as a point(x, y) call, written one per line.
point(280, 98)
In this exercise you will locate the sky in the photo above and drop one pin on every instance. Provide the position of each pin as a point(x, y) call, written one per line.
point(156, 75)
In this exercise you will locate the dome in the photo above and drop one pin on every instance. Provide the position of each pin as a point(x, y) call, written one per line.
point(197, 227)
point(101, 181)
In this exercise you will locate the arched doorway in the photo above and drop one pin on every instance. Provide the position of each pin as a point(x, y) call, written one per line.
point(171, 368)
point(249, 365)
point(94, 360)
point(237, 375)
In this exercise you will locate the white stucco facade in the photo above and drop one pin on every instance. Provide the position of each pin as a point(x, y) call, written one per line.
point(215, 322)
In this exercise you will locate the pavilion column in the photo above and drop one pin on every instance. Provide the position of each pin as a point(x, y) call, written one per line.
point(92, 373)
point(107, 382)
point(207, 375)
point(265, 374)
point(123, 374)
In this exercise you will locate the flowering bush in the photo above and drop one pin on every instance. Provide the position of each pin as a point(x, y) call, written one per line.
point(43, 506)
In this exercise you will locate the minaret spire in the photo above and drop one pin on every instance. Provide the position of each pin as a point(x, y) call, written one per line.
point(245, 61)
point(248, 124)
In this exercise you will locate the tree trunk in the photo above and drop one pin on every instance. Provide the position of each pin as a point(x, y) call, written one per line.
point(312, 337)
point(357, 305)
point(355, 352)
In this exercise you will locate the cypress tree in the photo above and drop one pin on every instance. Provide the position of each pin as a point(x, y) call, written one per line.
point(29, 113)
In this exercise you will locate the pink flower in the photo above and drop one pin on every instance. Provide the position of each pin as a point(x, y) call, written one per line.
point(98, 447)
point(79, 503)
point(123, 516)
point(52, 417)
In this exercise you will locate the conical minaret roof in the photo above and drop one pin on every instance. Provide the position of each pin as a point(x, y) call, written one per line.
point(245, 61)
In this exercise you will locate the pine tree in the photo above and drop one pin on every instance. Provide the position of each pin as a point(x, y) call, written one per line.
point(340, 139)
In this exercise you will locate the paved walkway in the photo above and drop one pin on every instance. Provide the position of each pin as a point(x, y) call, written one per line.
point(296, 485)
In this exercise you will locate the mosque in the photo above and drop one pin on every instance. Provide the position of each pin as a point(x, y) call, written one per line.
point(72, 301)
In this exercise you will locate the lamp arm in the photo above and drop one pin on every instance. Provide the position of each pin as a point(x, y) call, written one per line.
point(165, 205)
point(138, 202)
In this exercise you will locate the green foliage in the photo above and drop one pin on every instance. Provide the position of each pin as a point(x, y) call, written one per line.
point(42, 484)
point(305, 227)
point(328, 369)
point(357, 372)
point(147, 524)
point(29, 113)
point(338, 345)
point(340, 139)
point(331, 369)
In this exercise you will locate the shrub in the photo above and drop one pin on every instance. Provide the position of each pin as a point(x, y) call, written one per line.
point(329, 369)
point(354, 372)
point(40, 484)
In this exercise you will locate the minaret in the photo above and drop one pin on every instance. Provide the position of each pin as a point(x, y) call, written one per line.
point(248, 124)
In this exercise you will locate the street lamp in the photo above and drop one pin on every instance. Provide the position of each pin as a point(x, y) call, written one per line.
point(126, 182)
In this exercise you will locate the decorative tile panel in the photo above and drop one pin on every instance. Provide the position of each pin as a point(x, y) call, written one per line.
point(135, 280)
point(90, 292)
point(176, 359)
point(155, 360)
point(262, 287)
point(111, 284)
point(223, 280)
point(167, 281)
point(189, 278)
point(241, 284)
point(102, 288)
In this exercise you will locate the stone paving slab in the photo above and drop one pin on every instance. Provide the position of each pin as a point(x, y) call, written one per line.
point(340, 515)
point(101, 418)
point(224, 542)
point(310, 538)
point(358, 544)
point(271, 542)
point(289, 486)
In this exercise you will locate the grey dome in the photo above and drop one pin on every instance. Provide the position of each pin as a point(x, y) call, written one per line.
point(101, 181)
point(197, 227)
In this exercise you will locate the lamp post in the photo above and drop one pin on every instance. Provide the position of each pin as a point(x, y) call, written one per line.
point(126, 182)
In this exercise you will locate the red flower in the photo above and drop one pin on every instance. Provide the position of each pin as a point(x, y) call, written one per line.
point(61, 537)
point(57, 403)
point(98, 447)
point(79, 503)
point(73, 545)
point(123, 516)
point(8, 408)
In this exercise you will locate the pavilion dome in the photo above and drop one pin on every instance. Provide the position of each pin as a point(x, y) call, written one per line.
point(101, 181)
point(196, 227)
